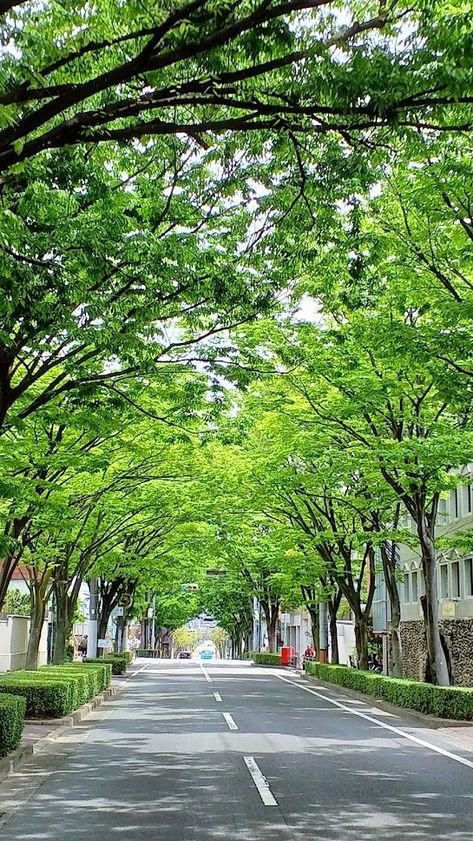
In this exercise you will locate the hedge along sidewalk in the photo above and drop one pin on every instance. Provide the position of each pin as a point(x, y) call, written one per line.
point(56, 691)
point(39, 733)
point(12, 714)
point(264, 658)
point(442, 704)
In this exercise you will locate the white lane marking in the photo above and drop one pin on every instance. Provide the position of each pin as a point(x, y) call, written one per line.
point(217, 696)
point(140, 670)
point(396, 730)
point(229, 719)
point(206, 674)
point(260, 782)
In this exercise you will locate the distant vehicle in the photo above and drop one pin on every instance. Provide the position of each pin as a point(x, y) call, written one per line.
point(184, 655)
point(206, 655)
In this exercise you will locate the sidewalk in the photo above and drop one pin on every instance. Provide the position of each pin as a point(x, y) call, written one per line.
point(38, 734)
point(450, 734)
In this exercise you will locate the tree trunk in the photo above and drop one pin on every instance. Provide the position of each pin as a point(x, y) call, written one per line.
point(388, 556)
point(361, 640)
point(334, 653)
point(34, 638)
point(7, 568)
point(271, 625)
point(63, 626)
point(60, 631)
point(333, 607)
point(437, 664)
point(102, 625)
point(271, 613)
point(308, 594)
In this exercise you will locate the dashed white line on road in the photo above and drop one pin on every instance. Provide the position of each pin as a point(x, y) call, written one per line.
point(396, 730)
point(217, 696)
point(133, 674)
point(229, 719)
point(206, 674)
point(260, 782)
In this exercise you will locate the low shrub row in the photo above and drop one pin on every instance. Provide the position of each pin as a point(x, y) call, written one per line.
point(54, 691)
point(265, 658)
point(12, 714)
point(455, 702)
point(146, 652)
point(118, 662)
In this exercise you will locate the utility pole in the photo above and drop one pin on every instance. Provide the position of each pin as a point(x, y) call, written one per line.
point(260, 630)
point(92, 622)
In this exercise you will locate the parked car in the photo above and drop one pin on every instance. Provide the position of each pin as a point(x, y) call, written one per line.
point(184, 655)
point(206, 655)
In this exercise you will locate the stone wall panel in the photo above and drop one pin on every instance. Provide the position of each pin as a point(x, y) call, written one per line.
point(458, 635)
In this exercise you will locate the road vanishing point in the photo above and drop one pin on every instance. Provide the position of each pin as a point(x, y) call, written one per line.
point(229, 752)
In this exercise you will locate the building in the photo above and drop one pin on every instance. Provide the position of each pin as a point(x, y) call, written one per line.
point(455, 589)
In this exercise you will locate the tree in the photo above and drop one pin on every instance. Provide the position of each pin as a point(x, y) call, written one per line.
point(374, 381)
point(220, 638)
point(111, 275)
point(16, 603)
point(185, 639)
point(144, 72)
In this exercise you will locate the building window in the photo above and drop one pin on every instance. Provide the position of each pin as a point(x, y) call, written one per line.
point(406, 587)
point(455, 580)
point(455, 506)
point(468, 576)
point(469, 499)
point(442, 511)
point(420, 578)
point(444, 594)
point(415, 586)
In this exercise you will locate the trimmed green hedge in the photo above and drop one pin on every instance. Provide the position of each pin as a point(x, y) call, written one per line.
point(118, 662)
point(12, 714)
point(54, 691)
point(455, 702)
point(101, 669)
point(45, 696)
point(265, 658)
point(100, 674)
point(83, 687)
point(145, 652)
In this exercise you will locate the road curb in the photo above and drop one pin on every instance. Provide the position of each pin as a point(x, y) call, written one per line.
point(15, 760)
point(429, 721)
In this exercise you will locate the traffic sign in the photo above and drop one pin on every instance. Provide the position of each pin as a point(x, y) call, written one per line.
point(216, 572)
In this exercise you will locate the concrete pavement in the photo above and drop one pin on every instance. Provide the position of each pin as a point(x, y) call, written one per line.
point(191, 752)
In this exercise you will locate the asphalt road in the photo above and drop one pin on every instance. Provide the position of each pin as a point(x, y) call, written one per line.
point(163, 761)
